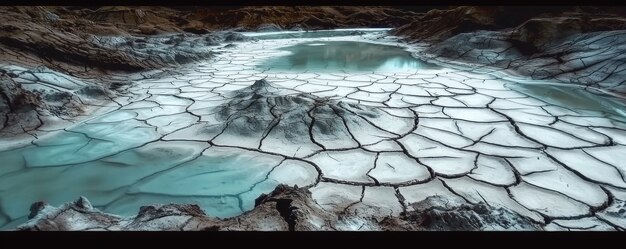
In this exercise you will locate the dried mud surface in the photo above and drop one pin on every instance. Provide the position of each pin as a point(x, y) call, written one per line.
point(451, 148)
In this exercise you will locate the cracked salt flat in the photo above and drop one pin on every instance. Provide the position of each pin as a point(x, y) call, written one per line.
point(370, 138)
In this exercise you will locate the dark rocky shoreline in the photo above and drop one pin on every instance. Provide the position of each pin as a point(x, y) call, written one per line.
point(582, 46)
point(284, 209)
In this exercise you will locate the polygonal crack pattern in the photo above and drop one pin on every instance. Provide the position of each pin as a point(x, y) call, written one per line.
point(220, 133)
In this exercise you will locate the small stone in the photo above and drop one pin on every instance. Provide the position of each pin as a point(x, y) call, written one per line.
point(83, 203)
point(35, 208)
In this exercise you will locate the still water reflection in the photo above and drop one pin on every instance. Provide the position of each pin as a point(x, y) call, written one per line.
point(346, 55)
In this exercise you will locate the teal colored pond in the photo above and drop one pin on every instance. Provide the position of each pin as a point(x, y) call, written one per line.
point(327, 56)
point(120, 166)
point(310, 34)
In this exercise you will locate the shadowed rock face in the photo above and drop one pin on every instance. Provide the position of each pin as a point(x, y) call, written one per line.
point(284, 209)
point(270, 18)
point(66, 41)
point(17, 104)
point(440, 24)
point(581, 46)
point(201, 20)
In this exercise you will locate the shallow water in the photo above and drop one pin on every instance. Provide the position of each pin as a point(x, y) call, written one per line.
point(120, 166)
point(573, 97)
point(310, 34)
point(155, 149)
point(329, 56)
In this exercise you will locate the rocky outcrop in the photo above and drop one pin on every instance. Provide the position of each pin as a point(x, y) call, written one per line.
point(302, 17)
point(63, 40)
point(17, 104)
point(440, 24)
point(581, 46)
point(284, 209)
point(439, 214)
point(201, 20)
